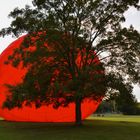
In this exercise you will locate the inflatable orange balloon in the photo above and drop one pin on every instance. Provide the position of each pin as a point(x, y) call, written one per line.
point(12, 75)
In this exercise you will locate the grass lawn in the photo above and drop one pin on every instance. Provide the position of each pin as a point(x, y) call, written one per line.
point(94, 128)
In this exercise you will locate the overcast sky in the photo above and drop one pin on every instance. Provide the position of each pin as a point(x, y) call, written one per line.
point(132, 17)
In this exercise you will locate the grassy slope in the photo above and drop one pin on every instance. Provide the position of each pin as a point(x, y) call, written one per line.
point(94, 128)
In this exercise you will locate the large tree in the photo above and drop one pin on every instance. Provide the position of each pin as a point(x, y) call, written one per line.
point(80, 33)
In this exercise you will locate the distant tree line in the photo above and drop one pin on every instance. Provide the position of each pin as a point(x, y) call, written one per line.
point(120, 103)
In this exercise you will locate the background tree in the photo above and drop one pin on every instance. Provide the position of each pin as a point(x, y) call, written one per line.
point(119, 102)
point(79, 31)
point(127, 104)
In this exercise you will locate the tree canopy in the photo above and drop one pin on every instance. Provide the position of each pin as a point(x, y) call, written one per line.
point(81, 33)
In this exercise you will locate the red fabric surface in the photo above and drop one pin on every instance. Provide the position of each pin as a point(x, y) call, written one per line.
point(12, 75)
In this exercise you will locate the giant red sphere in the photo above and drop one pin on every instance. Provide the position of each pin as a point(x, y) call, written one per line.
point(12, 75)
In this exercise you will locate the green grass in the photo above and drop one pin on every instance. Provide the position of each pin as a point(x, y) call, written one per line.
point(118, 118)
point(94, 128)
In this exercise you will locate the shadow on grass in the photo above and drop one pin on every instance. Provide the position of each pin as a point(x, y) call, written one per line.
point(91, 129)
point(89, 123)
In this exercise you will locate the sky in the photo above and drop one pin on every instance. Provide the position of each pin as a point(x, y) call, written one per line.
point(132, 17)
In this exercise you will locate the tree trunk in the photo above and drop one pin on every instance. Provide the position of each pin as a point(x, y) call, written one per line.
point(78, 119)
